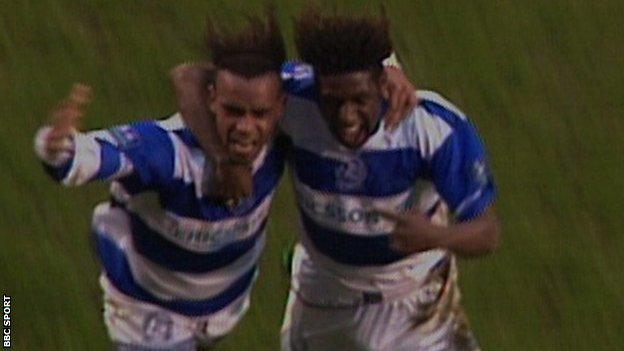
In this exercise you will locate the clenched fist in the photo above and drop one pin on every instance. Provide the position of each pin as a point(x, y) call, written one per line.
point(65, 121)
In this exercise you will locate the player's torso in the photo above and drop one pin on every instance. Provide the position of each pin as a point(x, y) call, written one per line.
point(338, 189)
point(183, 212)
point(181, 243)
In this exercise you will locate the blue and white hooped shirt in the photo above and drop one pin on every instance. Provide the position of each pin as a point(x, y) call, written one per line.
point(338, 189)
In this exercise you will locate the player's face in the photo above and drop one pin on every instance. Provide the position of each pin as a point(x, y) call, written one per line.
point(351, 105)
point(246, 111)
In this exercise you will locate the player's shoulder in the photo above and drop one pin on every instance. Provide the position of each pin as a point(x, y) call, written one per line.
point(435, 106)
point(431, 121)
point(145, 133)
point(173, 123)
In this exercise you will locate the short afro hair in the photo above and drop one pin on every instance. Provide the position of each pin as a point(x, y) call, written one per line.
point(256, 49)
point(336, 44)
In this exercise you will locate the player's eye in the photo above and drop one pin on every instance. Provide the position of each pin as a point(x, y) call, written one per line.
point(234, 111)
point(261, 113)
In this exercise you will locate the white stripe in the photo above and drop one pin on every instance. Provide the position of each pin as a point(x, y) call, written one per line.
point(189, 163)
point(164, 283)
point(355, 215)
point(86, 160)
point(193, 234)
point(429, 131)
point(172, 123)
point(367, 278)
point(440, 100)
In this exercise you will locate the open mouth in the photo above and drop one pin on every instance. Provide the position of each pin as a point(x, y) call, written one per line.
point(242, 149)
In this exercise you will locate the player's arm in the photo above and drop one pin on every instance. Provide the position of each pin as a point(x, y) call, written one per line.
point(456, 162)
point(74, 158)
point(398, 91)
point(414, 232)
point(190, 83)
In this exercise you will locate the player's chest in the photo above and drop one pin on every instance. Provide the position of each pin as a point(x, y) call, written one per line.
point(368, 173)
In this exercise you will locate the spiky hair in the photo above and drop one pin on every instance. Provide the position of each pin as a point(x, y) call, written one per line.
point(256, 49)
point(335, 44)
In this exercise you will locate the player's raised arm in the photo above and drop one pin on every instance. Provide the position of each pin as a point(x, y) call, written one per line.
point(74, 158)
point(190, 83)
point(57, 146)
point(398, 91)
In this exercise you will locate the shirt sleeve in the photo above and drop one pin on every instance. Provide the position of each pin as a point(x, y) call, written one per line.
point(142, 151)
point(458, 163)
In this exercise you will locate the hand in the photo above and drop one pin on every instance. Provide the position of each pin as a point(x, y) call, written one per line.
point(413, 231)
point(65, 120)
point(400, 93)
point(232, 182)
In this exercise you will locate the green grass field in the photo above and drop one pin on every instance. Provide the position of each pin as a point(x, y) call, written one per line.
point(544, 81)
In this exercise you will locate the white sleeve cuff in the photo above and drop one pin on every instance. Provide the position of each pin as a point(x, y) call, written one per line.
point(57, 159)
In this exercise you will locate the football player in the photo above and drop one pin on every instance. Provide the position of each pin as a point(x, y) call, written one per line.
point(373, 272)
point(179, 265)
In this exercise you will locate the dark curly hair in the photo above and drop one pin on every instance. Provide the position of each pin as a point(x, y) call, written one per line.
point(335, 44)
point(256, 49)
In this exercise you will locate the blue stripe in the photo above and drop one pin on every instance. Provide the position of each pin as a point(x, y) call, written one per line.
point(388, 172)
point(118, 271)
point(151, 152)
point(479, 205)
point(167, 254)
point(452, 165)
point(348, 248)
point(180, 197)
point(109, 160)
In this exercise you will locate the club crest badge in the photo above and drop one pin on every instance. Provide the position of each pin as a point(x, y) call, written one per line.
point(157, 327)
point(351, 175)
point(126, 136)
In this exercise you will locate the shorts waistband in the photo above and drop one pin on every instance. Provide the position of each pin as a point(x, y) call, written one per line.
point(434, 284)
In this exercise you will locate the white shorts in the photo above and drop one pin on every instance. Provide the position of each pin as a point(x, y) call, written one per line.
point(321, 316)
point(134, 325)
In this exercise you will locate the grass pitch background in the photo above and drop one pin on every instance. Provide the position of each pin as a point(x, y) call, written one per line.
point(542, 79)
